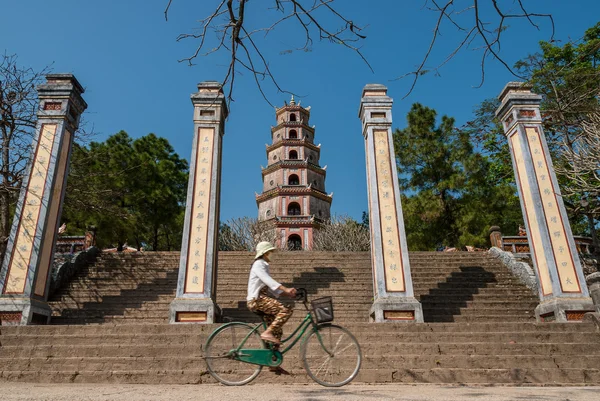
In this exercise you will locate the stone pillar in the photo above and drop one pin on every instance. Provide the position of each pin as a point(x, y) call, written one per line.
point(392, 282)
point(196, 284)
point(25, 274)
point(496, 237)
point(563, 292)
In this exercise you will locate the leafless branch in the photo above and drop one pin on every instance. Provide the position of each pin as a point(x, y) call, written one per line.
point(473, 15)
point(342, 234)
point(18, 117)
point(243, 234)
point(582, 167)
point(316, 18)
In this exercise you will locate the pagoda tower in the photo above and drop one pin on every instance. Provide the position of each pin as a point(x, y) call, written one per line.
point(293, 196)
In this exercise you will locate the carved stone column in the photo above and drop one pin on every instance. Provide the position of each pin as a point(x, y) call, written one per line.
point(25, 273)
point(563, 292)
point(496, 237)
point(393, 288)
point(197, 281)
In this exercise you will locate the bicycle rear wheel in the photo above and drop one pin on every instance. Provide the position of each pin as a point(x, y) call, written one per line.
point(220, 356)
point(335, 359)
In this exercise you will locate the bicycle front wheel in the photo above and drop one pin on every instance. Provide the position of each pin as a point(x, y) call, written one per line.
point(331, 355)
point(219, 354)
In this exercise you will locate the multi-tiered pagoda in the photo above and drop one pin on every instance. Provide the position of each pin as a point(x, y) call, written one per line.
point(294, 196)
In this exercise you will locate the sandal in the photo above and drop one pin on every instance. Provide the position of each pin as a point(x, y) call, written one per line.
point(271, 339)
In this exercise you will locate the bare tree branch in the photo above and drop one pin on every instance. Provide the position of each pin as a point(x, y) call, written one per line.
point(490, 38)
point(316, 18)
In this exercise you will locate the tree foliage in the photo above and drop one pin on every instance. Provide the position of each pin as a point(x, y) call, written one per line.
point(133, 191)
point(452, 193)
point(568, 78)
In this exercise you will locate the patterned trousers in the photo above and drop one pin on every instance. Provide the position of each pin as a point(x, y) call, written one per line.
point(276, 313)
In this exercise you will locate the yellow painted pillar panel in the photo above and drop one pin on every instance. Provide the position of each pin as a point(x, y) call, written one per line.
point(563, 292)
point(194, 302)
point(392, 283)
point(25, 272)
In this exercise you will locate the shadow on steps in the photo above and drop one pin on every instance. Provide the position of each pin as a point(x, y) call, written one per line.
point(466, 283)
point(313, 281)
point(116, 305)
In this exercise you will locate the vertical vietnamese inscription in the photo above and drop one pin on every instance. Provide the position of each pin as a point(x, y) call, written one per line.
point(198, 235)
point(32, 205)
point(556, 229)
point(530, 212)
point(47, 246)
point(392, 253)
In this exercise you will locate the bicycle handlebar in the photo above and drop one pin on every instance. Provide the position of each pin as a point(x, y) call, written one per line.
point(301, 294)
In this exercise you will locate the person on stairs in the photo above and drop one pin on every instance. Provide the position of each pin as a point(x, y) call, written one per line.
point(258, 300)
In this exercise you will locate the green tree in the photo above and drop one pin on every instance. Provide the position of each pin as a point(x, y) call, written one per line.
point(453, 194)
point(161, 184)
point(430, 160)
point(568, 78)
point(497, 186)
point(133, 191)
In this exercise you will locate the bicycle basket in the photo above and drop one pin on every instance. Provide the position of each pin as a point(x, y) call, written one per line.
point(322, 309)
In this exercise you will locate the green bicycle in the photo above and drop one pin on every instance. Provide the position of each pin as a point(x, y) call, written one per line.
point(235, 354)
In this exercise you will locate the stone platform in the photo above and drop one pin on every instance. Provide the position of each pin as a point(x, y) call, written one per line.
point(110, 324)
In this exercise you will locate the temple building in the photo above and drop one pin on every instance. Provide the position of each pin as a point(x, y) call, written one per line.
point(294, 196)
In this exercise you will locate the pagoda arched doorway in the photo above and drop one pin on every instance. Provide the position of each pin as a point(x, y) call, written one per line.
point(294, 242)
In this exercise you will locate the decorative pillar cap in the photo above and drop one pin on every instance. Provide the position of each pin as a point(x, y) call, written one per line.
point(62, 79)
point(374, 90)
point(516, 87)
point(210, 87)
point(494, 229)
point(516, 93)
point(210, 94)
point(374, 95)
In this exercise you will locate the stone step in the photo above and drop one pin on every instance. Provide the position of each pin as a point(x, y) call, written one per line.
point(510, 376)
point(392, 327)
point(427, 301)
point(163, 283)
point(398, 349)
point(341, 311)
point(377, 336)
point(292, 362)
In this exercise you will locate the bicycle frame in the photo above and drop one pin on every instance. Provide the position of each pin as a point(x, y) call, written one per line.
point(252, 350)
point(269, 356)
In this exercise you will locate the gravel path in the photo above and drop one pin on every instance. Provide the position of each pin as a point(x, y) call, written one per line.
point(265, 392)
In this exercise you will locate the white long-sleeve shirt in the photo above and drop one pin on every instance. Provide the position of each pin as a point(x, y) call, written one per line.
point(260, 277)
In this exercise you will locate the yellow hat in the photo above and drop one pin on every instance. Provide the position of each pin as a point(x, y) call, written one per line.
point(262, 248)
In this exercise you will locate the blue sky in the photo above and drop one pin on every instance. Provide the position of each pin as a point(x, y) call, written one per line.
point(125, 54)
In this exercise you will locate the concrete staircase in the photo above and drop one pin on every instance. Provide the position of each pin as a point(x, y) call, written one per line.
point(109, 324)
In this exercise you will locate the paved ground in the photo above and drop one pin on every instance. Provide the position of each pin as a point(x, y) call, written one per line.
point(117, 392)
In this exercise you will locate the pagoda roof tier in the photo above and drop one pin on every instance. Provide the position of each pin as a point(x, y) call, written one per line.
point(294, 142)
point(293, 163)
point(297, 124)
point(291, 107)
point(297, 221)
point(282, 190)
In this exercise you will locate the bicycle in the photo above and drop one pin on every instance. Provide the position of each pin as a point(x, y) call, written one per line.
point(235, 354)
